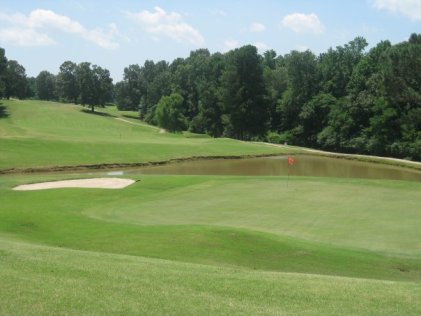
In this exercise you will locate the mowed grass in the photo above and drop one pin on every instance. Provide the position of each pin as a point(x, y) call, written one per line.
point(193, 244)
point(249, 222)
point(43, 134)
point(39, 280)
point(101, 251)
point(378, 215)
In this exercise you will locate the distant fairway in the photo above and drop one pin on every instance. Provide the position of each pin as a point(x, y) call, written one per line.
point(45, 134)
point(191, 245)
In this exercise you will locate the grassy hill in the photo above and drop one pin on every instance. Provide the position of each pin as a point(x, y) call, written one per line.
point(189, 245)
point(45, 134)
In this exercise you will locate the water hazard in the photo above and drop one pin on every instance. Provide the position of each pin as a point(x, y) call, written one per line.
point(278, 166)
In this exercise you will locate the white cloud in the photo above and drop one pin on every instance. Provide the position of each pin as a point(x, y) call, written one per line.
point(115, 32)
point(262, 47)
point(303, 23)
point(98, 37)
point(40, 21)
point(170, 25)
point(231, 44)
point(257, 27)
point(46, 18)
point(25, 37)
point(410, 8)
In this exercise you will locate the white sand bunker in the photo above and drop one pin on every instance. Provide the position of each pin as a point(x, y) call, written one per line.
point(94, 183)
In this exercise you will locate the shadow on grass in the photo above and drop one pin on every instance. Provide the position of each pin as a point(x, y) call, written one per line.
point(131, 116)
point(89, 111)
point(3, 111)
point(195, 135)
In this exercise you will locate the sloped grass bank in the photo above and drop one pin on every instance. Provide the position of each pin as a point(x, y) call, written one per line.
point(44, 135)
point(48, 280)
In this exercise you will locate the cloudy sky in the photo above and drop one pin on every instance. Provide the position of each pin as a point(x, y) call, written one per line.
point(41, 35)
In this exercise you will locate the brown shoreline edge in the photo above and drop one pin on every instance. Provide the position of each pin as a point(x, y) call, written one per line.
point(126, 164)
point(379, 160)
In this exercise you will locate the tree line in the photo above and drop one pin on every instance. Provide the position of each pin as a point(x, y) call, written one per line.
point(13, 81)
point(347, 99)
point(82, 83)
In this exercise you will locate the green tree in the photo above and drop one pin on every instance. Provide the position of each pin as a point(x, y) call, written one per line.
point(371, 65)
point(86, 85)
point(148, 74)
point(156, 83)
point(46, 85)
point(129, 92)
point(403, 76)
point(380, 133)
point(122, 96)
point(159, 87)
point(67, 86)
point(207, 83)
point(276, 83)
point(313, 116)
point(3, 71)
point(365, 101)
point(103, 86)
point(208, 120)
point(269, 59)
point(346, 99)
point(244, 95)
point(410, 144)
point(31, 85)
point(302, 85)
point(335, 67)
point(169, 113)
point(402, 81)
point(94, 85)
point(15, 80)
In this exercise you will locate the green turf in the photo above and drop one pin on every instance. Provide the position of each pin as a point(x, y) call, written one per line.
point(378, 215)
point(193, 244)
point(43, 134)
point(38, 280)
point(250, 222)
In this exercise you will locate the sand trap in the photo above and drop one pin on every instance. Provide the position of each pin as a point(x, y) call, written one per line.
point(96, 183)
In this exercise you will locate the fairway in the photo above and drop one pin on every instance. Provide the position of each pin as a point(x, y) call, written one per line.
point(190, 244)
point(35, 129)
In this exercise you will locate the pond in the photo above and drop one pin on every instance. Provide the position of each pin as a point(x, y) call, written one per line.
point(278, 166)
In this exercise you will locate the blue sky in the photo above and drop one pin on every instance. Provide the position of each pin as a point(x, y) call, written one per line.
point(41, 35)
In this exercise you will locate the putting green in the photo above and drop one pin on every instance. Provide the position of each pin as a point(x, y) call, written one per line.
point(377, 215)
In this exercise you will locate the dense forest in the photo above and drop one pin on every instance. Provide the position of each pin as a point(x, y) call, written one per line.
point(347, 99)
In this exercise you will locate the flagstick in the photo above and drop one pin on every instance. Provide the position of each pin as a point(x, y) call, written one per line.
point(290, 163)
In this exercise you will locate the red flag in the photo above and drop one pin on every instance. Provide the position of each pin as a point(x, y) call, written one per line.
point(291, 160)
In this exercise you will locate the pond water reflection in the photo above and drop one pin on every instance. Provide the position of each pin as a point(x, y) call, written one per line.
point(276, 166)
